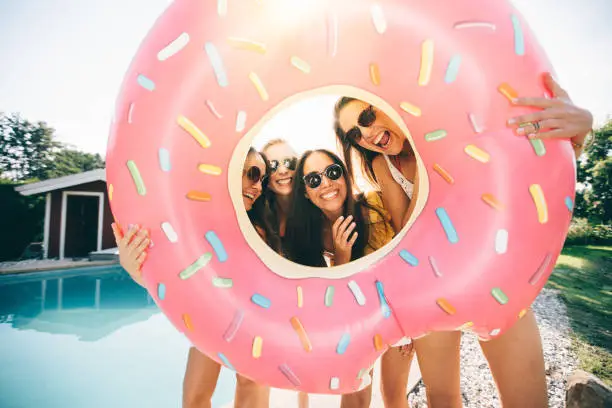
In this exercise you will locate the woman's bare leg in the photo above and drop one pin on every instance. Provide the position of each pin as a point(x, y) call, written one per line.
point(439, 361)
point(395, 368)
point(517, 364)
point(302, 400)
point(250, 394)
point(200, 380)
point(359, 399)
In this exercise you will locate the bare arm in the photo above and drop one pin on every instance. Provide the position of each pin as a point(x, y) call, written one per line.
point(394, 198)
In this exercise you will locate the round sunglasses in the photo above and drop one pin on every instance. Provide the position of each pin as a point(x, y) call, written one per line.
point(365, 119)
point(333, 172)
point(255, 175)
point(290, 163)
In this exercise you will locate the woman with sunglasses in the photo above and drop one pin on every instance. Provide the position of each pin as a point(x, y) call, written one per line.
point(515, 358)
point(328, 226)
point(202, 372)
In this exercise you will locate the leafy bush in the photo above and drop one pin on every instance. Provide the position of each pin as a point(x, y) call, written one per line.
point(581, 232)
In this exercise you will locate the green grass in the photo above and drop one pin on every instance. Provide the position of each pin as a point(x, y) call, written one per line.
point(584, 276)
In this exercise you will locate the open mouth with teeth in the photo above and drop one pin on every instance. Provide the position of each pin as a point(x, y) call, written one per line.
point(382, 139)
point(248, 195)
point(284, 181)
point(330, 195)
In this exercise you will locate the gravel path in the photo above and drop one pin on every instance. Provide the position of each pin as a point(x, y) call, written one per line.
point(477, 384)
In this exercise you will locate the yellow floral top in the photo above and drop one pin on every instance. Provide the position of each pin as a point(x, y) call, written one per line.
point(379, 224)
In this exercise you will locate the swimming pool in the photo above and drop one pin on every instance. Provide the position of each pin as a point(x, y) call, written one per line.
point(89, 338)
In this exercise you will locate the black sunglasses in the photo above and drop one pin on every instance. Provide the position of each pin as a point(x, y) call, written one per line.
point(290, 163)
point(255, 175)
point(332, 172)
point(365, 119)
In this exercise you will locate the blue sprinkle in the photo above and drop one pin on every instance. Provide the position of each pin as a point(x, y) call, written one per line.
point(449, 229)
point(161, 291)
point(386, 310)
point(519, 40)
point(226, 361)
point(569, 204)
point(164, 159)
point(453, 69)
point(260, 300)
point(343, 343)
point(216, 245)
point(409, 258)
point(145, 82)
point(217, 63)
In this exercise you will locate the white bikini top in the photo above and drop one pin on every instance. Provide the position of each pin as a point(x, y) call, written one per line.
point(399, 178)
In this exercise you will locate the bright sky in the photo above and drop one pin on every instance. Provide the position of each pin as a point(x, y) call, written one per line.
point(62, 61)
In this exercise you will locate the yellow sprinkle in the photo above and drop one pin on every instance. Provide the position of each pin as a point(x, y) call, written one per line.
point(187, 322)
point(300, 64)
point(477, 154)
point(257, 345)
point(193, 130)
point(248, 45)
point(300, 297)
point(111, 190)
point(198, 196)
point(522, 313)
point(261, 89)
point(509, 92)
point(540, 202)
point(491, 200)
point(427, 56)
point(411, 109)
point(465, 326)
point(210, 169)
point(375, 74)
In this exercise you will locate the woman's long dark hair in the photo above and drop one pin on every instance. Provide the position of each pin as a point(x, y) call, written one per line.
point(260, 213)
point(348, 145)
point(303, 240)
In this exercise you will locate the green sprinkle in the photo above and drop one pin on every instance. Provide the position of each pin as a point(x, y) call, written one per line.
point(329, 296)
point(538, 147)
point(435, 135)
point(499, 295)
point(222, 282)
point(196, 266)
point(140, 187)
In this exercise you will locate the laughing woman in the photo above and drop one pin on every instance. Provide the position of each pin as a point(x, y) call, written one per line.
point(327, 226)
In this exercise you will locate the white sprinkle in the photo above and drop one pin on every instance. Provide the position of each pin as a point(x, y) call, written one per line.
point(434, 266)
point(378, 17)
point(501, 241)
point(475, 24)
point(332, 34)
point(359, 296)
point(175, 46)
point(334, 384)
point(130, 111)
point(241, 121)
point(495, 332)
point(212, 109)
point(169, 231)
point(300, 64)
point(475, 125)
point(222, 7)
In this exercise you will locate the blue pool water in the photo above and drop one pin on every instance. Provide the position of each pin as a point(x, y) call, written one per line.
point(89, 339)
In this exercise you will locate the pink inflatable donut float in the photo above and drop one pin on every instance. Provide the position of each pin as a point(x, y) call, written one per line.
point(493, 208)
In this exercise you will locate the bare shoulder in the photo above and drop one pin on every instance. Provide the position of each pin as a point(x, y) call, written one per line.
point(380, 167)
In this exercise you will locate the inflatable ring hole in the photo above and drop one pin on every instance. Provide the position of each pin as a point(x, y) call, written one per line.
point(280, 123)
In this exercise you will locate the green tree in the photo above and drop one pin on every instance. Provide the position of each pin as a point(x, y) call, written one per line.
point(30, 152)
point(595, 173)
point(24, 147)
